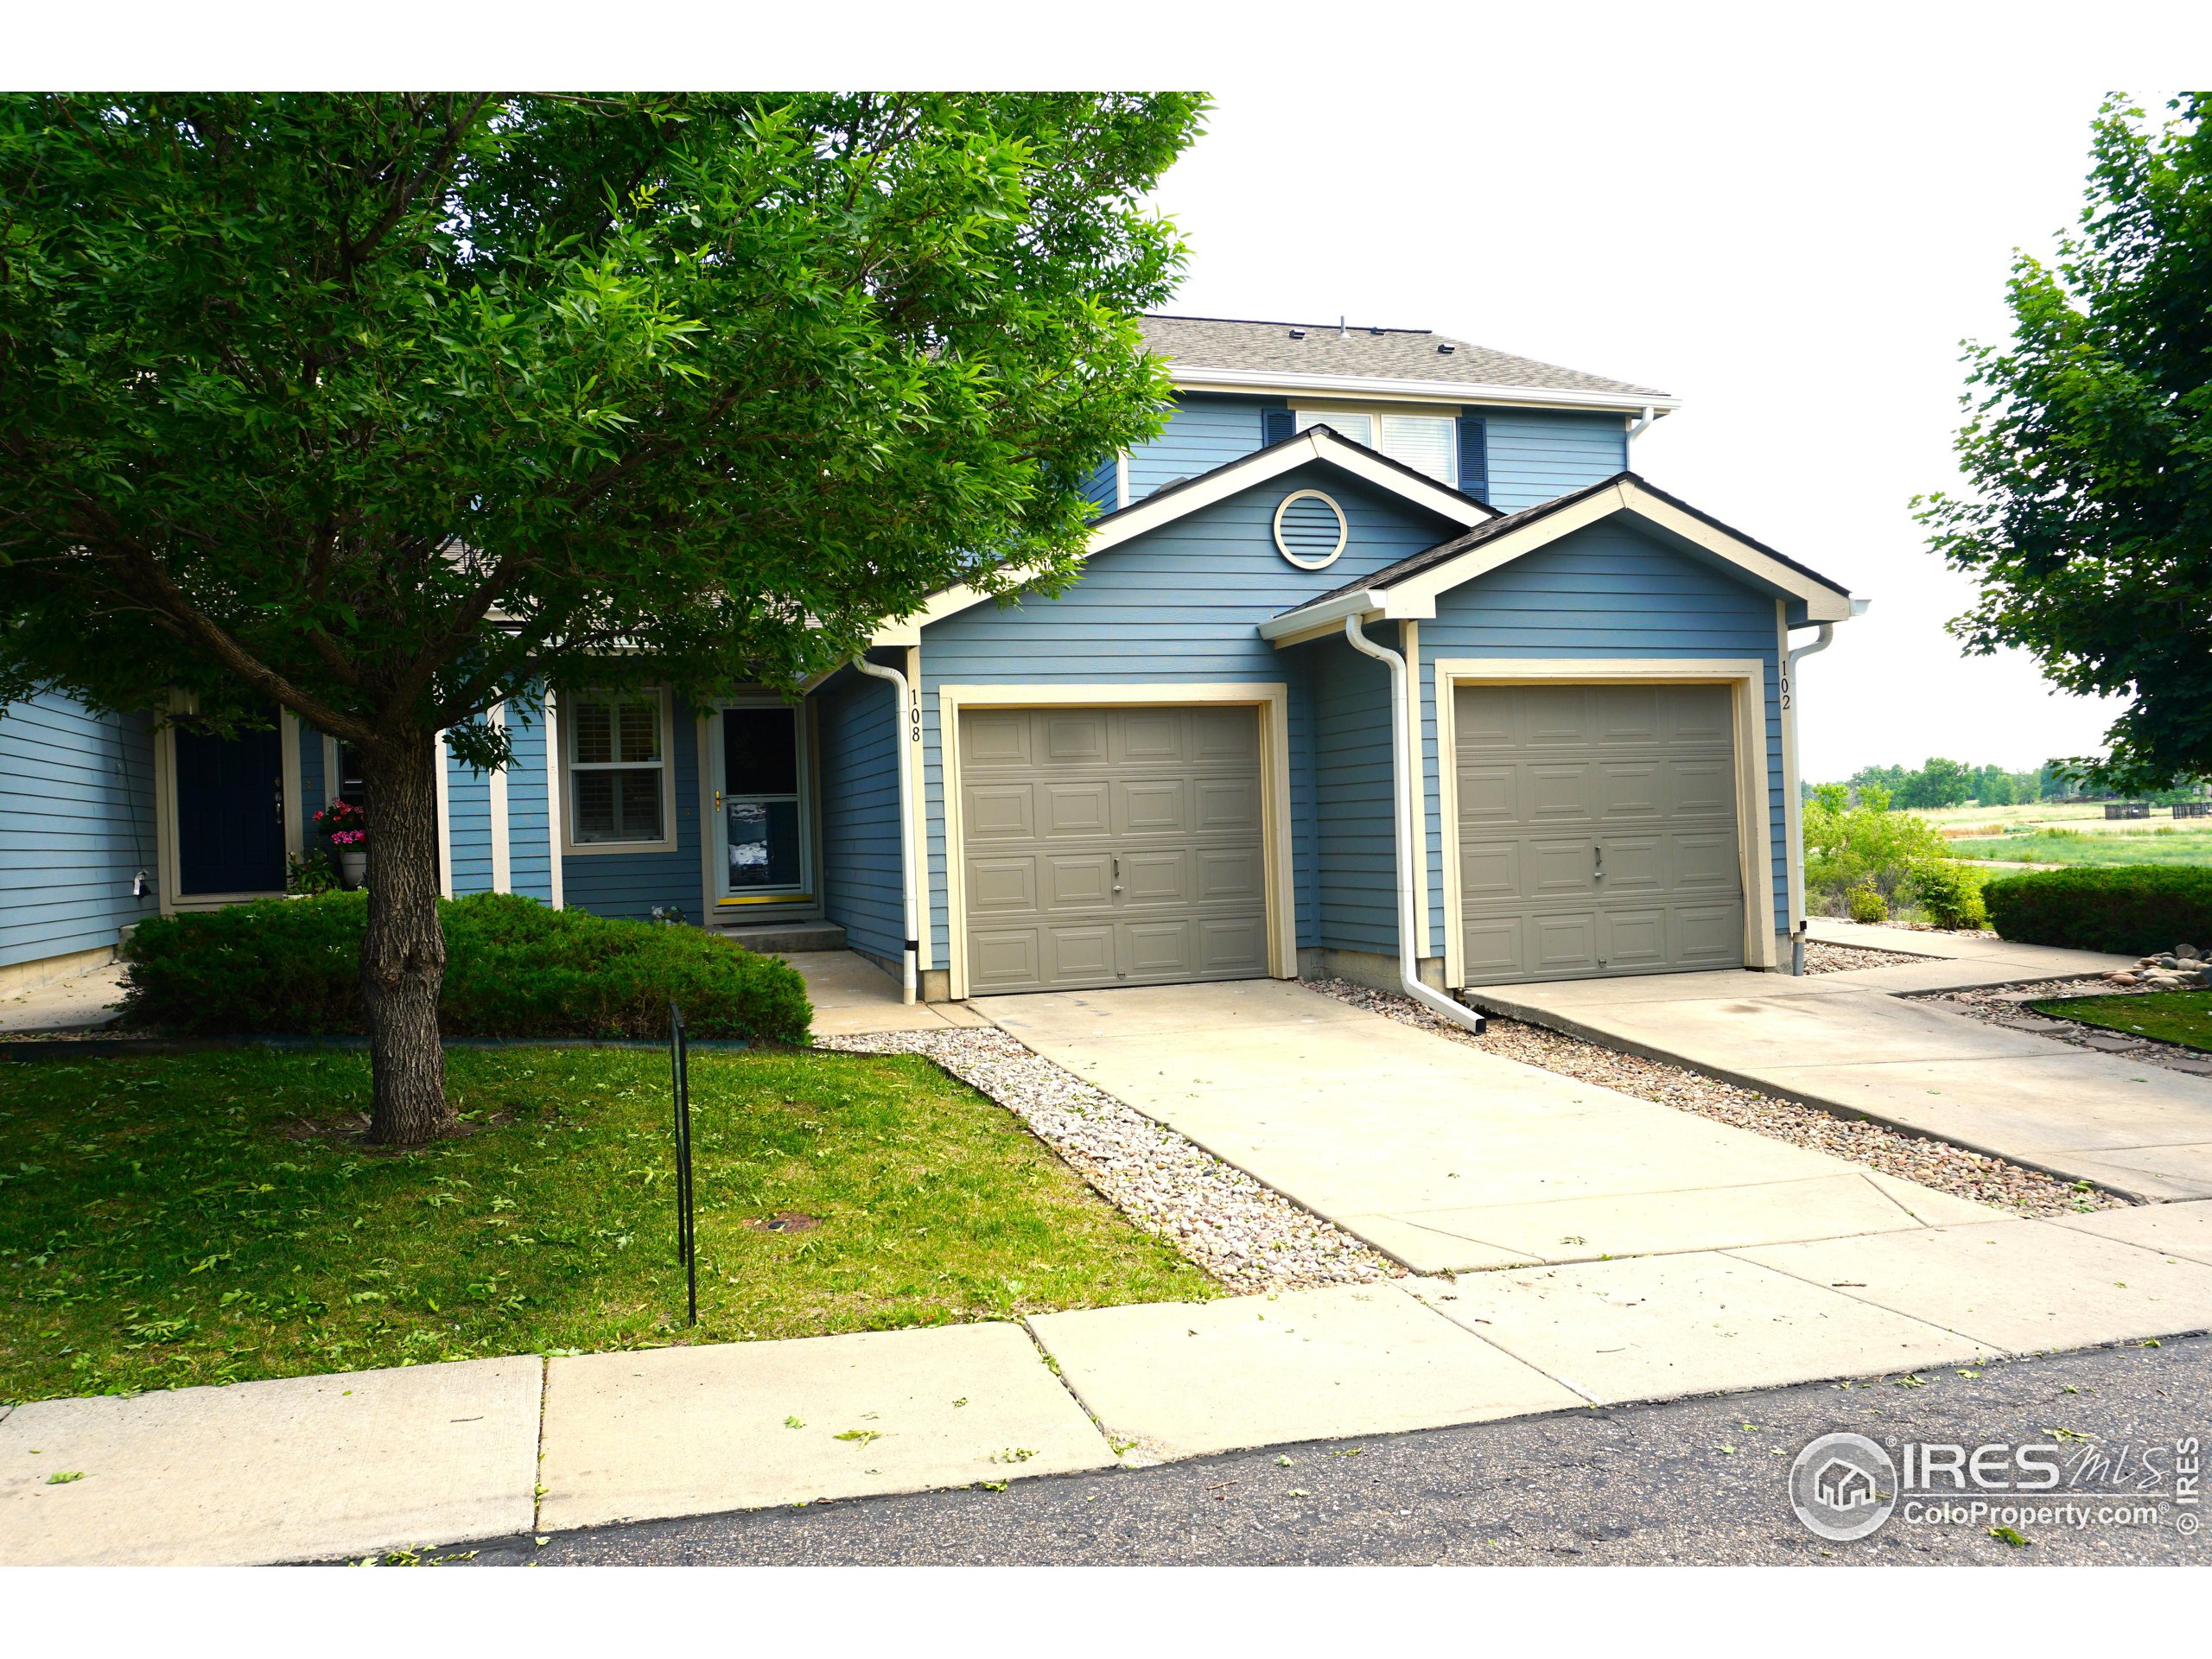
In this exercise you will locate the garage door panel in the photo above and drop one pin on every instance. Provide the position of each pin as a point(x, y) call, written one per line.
point(1160, 949)
point(1709, 935)
point(1561, 868)
point(1077, 738)
point(1632, 941)
point(1551, 776)
point(1173, 794)
point(1490, 871)
point(1079, 953)
point(1635, 865)
point(1002, 959)
point(1229, 875)
point(1157, 878)
point(1148, 738)
point(1489, 795)
point(1079, 881)
point(1071, 809)
point(1562, 944)
point(1232, 946)
point(1002, 885)
point(1225, 805)
point(995, 739)
point(1558, 793)
point(998, 811)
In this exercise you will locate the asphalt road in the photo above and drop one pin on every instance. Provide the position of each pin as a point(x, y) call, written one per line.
point(1694, 1481)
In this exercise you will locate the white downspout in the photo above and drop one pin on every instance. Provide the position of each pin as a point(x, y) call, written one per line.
point(906, 862)
point(1820, 642)
point(1413, 867)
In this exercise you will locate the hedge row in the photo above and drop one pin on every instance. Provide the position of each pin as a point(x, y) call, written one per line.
point(2130, 910)
point(514, 968)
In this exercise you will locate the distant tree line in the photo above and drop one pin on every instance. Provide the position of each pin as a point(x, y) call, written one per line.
point(1941, 782)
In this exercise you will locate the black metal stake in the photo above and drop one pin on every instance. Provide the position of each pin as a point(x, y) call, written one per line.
point(687, 1237)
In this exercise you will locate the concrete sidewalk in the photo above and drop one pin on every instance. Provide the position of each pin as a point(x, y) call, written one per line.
point(1447, 1158)
point(334, 1467)
point(852, 996)
point(1856, 1043)
point(78, 1003)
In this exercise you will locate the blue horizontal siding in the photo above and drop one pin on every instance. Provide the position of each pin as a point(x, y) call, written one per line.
point(529, 853)
point(1182, 603)
point(857, 724)
point(76, 825)
point(1606, 591)
point(1205, 431)
point(1355, 842)
point(1537, 453)
point(631, 884)
point(468, 813)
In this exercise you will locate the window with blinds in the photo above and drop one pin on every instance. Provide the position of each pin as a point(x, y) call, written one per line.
point(617, 760)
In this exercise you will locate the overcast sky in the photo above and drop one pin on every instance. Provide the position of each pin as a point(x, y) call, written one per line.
point(1798, 266)
point(1789, 216)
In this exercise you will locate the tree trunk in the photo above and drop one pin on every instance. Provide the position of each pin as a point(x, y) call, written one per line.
point(404, 954)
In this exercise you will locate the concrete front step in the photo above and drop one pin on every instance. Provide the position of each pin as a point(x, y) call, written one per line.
point(783, 939)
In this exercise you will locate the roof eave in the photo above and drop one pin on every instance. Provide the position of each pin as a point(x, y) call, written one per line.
point(1198, 376)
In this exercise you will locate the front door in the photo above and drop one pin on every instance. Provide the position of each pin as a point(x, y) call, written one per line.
point(230, 812)
point(762, 824)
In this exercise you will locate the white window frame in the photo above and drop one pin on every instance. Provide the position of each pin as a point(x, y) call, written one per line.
point(1307, 415)
point(568, 727)
point(802, 893)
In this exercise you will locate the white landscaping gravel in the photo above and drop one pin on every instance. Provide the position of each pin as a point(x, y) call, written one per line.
point(2008, 1007)
point(1244, 1233)
point(1822, 957)
point(1893, 1151)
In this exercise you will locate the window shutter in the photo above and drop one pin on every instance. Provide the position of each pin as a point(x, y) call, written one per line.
point(1275, 425)
point(1474, 458)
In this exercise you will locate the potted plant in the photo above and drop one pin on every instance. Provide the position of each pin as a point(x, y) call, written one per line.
point(347, 828)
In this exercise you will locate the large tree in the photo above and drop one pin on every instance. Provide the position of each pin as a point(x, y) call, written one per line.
point(387, 409)
point(2089, 450)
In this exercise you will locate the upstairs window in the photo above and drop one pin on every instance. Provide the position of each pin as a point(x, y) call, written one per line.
point(618, 767)
point(1428, 443)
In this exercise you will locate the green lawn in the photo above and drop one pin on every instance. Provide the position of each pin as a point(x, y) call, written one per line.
point(2178, 847)
point(2183, 1017)
point(193, 1218)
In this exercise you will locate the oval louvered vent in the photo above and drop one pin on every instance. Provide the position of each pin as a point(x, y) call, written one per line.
point(1309, 530)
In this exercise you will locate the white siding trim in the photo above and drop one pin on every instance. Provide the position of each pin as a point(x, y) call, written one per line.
point(1745, 676)
point(1409, 647)
point(917, 826)
point(554, 849)
point(1792, 809)
point(503, 880)
point(1271, 699)
point(444, 761)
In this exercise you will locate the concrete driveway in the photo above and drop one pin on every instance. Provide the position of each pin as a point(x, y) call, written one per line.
point(1447, 1158)
point(1857, 1043)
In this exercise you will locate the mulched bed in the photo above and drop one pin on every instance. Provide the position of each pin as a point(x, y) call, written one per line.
point(1893, 1151)
point(1822, 957)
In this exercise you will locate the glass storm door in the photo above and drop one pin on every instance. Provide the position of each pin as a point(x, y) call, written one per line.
point(761, 806)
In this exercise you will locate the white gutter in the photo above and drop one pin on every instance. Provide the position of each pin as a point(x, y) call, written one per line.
point(1652, 412)
point(908, 865)
point(1820, 642)
point(1199, 376)
point(1412, 865)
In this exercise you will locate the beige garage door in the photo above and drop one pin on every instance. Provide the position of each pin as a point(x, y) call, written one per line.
point(1111, 847)
point(1596, 831)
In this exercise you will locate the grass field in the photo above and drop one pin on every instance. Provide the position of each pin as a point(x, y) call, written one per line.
point(2183, 1017)
point(206, 1217)
point(2159, 847)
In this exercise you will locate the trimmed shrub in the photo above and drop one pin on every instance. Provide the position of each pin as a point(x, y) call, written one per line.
point(1949, 892)
point(1864, 903)
point(2131, 910)
point(514, 968)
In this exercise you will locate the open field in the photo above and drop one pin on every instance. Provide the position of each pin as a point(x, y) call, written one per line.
point(208, 1218)
point(2154, 846)
point(2087, 817)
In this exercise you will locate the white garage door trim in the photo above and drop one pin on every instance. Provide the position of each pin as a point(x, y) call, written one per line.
point(1746, 678)
point(1272, 700)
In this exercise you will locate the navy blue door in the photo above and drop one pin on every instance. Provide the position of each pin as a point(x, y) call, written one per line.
point(230, 812)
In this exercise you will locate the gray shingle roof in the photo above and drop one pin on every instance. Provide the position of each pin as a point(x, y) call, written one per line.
point(1372, 353)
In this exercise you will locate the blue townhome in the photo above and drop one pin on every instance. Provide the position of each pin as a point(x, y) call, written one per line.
point(1383, 661)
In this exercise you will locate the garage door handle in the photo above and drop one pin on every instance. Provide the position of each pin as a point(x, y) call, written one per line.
point(1600, 853)
point(1117, 871)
